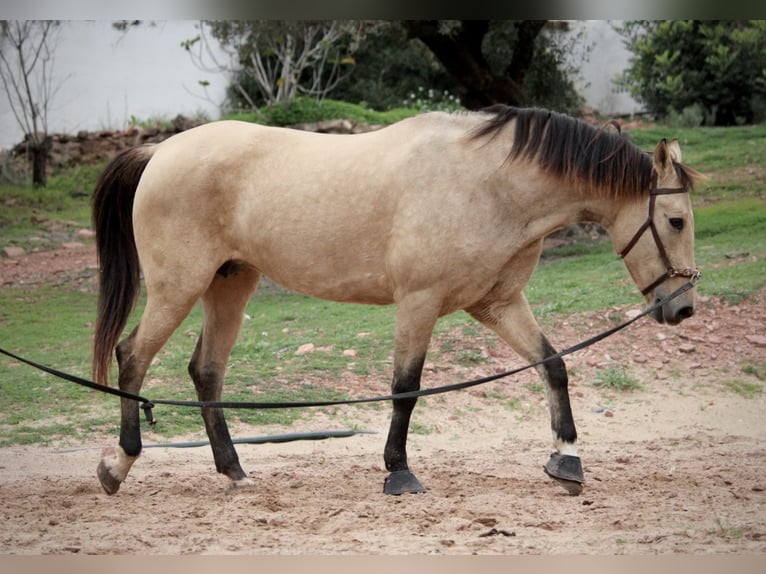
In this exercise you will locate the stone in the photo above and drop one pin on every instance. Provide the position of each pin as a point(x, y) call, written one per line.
point(757, 340)
point(304, 349)
point(13, 251)
point(86, 234)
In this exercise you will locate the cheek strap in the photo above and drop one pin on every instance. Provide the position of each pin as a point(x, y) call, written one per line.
point(670, 271)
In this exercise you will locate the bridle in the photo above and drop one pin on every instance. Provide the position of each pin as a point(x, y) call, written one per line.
point(694, 275)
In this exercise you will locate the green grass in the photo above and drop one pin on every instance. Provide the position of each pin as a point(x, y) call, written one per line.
point(742, 388)
point(616, 379)
point(758, 370)
point(43, 218)
point(734, 158)
point(730, 247)
point(53, 324)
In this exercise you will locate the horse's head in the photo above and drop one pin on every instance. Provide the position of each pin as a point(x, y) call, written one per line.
point(656, 236)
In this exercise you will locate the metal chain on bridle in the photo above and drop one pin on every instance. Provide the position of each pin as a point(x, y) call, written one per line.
point(693, 275)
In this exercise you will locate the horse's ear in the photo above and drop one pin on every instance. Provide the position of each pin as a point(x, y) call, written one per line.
point(675, 150)
point(662, 157)
point(666, 153)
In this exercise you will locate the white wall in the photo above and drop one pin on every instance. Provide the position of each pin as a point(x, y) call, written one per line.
point(607, 59)
point(110, 77)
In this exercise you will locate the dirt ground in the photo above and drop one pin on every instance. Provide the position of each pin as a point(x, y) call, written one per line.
point(675, 467)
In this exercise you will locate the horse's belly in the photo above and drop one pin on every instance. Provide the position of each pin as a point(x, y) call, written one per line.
point(354, 286)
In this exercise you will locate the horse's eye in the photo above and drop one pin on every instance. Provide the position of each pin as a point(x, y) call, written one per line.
point(677, 223)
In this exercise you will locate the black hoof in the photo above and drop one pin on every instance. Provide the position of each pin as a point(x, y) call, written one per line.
point(110, 484)
point(401, 482)
point(567, 471)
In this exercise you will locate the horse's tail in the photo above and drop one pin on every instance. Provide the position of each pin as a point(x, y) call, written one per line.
point(120, 273)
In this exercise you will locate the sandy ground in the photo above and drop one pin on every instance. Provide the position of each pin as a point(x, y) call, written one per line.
point(676, 467)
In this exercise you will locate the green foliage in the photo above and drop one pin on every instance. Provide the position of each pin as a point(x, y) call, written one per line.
point(719, 66)
point(432, 100)
point(302, 110)
point(388, 67)
point(690, 117)
point(278, 59)
point(549, 83)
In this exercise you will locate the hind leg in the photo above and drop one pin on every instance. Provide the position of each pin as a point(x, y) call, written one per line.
point(134, 354)
point(224, 304)
point(514, 322)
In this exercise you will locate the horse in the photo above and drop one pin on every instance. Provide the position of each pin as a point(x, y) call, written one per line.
point(433, 214)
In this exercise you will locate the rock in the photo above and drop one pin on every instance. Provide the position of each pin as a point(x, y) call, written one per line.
point(349, 353)
point(632, 313)
point(304, 349)
point(72, 245)
point(13, 251)
point(86, 234)
point(757, 340)
point(687, 348)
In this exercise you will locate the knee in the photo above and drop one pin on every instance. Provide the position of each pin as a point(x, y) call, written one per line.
point(408, 378)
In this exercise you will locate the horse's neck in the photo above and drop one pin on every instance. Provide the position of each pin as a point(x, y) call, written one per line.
point(548, 205)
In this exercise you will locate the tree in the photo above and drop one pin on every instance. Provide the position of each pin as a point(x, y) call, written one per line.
point(26, 73)
point(524, 62)
point(717, 67)
point(274, 60)
point(389, 67)
point(493, 61)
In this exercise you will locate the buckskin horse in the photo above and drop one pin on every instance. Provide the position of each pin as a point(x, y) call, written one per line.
point(436, 213)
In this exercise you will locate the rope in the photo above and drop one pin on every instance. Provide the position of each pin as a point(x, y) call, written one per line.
point(149, 404)
point(274, 438)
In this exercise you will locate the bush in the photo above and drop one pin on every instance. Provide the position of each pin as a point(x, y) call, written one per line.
point(432, 100)
point(718, 66)
point(304, 110)
point(690, 117)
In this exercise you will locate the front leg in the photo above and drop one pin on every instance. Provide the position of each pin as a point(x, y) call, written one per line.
point(415, 320)
point(401, 480)
point(513, 321)
point(564, 464)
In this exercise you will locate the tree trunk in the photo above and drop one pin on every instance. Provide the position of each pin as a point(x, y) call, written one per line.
point(40, 153)
point(461, 55)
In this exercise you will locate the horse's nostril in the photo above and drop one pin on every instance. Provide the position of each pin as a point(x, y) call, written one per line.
point(685, 312)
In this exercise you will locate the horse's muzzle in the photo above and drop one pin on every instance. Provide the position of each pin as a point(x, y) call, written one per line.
point(671, 313)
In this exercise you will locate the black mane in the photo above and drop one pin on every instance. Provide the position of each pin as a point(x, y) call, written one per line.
point(591, 158)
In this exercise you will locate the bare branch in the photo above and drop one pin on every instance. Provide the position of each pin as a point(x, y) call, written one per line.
point(26, 76)
point(276, 60)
